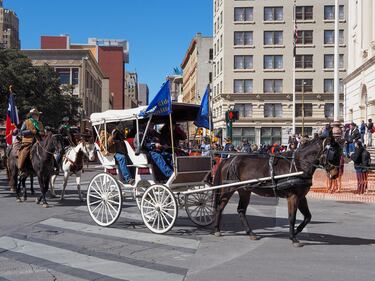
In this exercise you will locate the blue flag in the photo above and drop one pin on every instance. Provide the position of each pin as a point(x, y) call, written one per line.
point(203, 120)
point(162, 103)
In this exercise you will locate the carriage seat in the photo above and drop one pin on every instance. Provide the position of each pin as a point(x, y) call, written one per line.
point(192, 169)
point(108, 161)
point(137, 160)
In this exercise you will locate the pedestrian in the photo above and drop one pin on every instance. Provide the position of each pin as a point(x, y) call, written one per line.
point(351, 136)
point(245, 146)
point(228, 147)
point(361, 160)
point(370, 130)
point(327, 130)
point(362, 130)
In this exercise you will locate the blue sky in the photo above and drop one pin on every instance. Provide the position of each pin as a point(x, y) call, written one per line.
point(159, 31)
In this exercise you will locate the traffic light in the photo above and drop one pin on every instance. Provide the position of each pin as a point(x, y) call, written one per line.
point(232, 115)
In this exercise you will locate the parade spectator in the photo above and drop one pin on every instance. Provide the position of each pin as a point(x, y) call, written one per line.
point(351, 136)
point(254, 147)
point(361, 159)
point(370, 130)
point(205, 147)
point(362, 131)
point(246, 146)
point(228, 147)
point(327, 130)
point(275, 148)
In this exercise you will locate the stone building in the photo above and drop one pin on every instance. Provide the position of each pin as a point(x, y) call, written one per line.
point(9, 29)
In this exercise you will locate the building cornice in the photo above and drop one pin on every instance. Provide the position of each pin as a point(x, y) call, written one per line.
point(359, 70)
point(189, 52)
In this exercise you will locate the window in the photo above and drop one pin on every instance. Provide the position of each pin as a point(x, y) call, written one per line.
point(304, 12)
point(221, 65)
point(243, 62)
point(243, 14)
point(306, 131)
point(243, 86)
point(330, 63)
point(221, 41)
point(273, 86)
point(304, 61)
point(273, 38)
point(329, 86)
point(211, 54)
point(244, 110)
point(329, 12)
point(273, 110)
point(64, 75)
point(328, 110)
point(273, 14)
point(304, 37)
point(75, 76)
point(243, 38)
point(270, 135)
point(304, 85)
point(239, 134)
point(329, 37)
point(307, 109)
point(273, 62)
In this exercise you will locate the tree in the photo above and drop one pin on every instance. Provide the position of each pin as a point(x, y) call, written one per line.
point(34, 87)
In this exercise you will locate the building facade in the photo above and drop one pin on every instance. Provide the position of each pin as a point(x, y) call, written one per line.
point(253, 69)
point(9, 29)
point(80, 70)
point(197, 69)
point(143, 93)
point(360, 82)
point(131, 90)
point(175, 86)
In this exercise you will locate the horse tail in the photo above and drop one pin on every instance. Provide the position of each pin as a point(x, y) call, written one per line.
point(218, 181)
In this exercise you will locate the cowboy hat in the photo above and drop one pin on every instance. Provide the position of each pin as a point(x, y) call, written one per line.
point(34, 110)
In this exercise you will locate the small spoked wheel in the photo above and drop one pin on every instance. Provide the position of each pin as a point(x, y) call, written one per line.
point(159, 208)
point(104, 199)
point(139, 190)
point(200, 207)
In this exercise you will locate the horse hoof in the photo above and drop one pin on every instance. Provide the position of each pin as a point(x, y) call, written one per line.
point(37, 201)
point(253, 237)
point(45, 205)
point(297, 244)
point(217, 233)
point(18, 200)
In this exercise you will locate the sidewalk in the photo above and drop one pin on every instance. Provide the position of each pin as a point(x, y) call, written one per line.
point(349, 186)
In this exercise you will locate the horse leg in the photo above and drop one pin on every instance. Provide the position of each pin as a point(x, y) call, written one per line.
point(66, 177)
point(223, 201)
point(37, 200)
point(24, 189)
point(32, 191)
point(18, 189)
point(44, 191)
point(292, 211)
point(241, 210)
point(78, 181)
point(304, 209)
point(52, 184)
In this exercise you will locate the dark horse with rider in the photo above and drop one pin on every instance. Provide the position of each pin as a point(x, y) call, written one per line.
point(320, 152)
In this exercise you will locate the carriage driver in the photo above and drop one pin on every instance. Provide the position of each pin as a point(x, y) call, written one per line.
point(31, 129)
point(65, 131)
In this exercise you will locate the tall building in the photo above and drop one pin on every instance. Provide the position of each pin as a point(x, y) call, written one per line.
point(143, 93)
point(175, 86)
point(9, 29)
point(359, 84)
point(197, 69)
point(253, 69)
point(131, 89)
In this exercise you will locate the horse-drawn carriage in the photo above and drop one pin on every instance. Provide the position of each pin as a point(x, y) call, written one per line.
point(157, 200)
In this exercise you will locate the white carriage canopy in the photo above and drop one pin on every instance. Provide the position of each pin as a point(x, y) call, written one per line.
point(111, 116)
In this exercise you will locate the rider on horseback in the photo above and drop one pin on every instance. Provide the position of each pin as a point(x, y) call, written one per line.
point(32, 129)
point(65, 131)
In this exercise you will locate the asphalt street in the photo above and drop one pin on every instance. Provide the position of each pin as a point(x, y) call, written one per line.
point(63, 243)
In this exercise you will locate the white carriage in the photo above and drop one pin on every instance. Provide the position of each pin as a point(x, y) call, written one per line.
point(158, 202)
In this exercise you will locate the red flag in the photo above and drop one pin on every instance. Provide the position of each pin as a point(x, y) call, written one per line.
point(12, 118)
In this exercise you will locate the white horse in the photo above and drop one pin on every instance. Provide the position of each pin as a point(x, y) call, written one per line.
point(73, 164)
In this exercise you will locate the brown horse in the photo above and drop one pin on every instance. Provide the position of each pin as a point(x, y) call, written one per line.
point(316, 153)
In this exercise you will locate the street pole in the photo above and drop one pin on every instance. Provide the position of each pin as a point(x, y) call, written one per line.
point(294, 71)
point(337, 131)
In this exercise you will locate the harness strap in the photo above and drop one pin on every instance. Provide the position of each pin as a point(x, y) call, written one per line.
point(271, 163)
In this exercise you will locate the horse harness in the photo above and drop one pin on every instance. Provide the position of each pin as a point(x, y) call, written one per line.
point(76, 165)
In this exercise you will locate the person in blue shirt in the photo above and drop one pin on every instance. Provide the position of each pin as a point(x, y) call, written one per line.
point(362, 130)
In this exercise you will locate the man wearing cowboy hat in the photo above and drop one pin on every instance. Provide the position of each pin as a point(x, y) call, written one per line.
point(65, 131)
point(31, 128)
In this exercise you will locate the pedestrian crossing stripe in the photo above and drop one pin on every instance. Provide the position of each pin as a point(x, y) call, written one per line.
point(123, 233)
point(110, 268)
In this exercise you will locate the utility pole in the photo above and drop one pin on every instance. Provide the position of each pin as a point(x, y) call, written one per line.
point(336, 95)
point(294, 69)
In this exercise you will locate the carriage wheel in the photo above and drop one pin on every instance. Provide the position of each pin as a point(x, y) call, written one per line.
point(200, 207)
point(159, 209)
point(139, 190)
point(104, 199)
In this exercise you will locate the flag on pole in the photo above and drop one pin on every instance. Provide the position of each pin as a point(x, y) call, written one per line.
point(11, 119)
point(162, 103)
point(203, 118)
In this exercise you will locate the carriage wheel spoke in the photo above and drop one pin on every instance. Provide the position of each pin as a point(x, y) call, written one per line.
point(95, 202)
point(150, 203)
point(97, 197)
point(158, 221)
point(113, 208)
point(101, 203)
point(114, 202)
point(166, 219)
point(93, 188)
point(166, 213)
point(109, 210)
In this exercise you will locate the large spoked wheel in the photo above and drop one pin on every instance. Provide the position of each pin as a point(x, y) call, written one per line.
point(159, 209)
point(139, 190)
point(200, 207)
point(104, 199)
